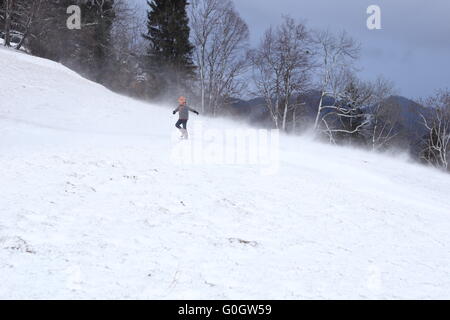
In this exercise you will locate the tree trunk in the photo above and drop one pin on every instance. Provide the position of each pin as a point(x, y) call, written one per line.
point(8, 16)
point(294, 125)
point(202, 80)
point(319, 111)
point(285, 111)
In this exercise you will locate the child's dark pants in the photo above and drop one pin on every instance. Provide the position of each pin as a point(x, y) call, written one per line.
point(181, 122)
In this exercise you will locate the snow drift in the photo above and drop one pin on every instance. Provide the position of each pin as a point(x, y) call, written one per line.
point(92, 206)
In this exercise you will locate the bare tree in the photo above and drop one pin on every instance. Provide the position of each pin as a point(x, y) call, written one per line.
point(16, 17)
point(335, 57)
point(221, 38)
point(346, 117)
point(28, 14)
point(383, 115)
point(204, 17)
point(7, 14)
point(281, 66)
point(127, 29)
point(266, 74)
point(127, 49)
point(437, 143)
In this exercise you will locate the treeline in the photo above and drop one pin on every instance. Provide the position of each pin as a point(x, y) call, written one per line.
point(201, 49)
point(103, 49)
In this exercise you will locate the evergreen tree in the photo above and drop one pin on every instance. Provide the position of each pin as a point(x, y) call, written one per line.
point(170, 51)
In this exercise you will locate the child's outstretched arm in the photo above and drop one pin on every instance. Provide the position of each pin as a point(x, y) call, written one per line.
point(193, 110)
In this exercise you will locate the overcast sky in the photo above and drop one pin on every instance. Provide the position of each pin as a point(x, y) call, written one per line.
point(412, 49)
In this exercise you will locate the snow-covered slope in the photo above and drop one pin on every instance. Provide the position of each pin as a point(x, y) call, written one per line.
point(93, 206)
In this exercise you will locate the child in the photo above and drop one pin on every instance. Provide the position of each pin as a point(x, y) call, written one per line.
point(183, 111)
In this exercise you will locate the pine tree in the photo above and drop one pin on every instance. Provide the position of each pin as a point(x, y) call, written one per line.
point(170, 51)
